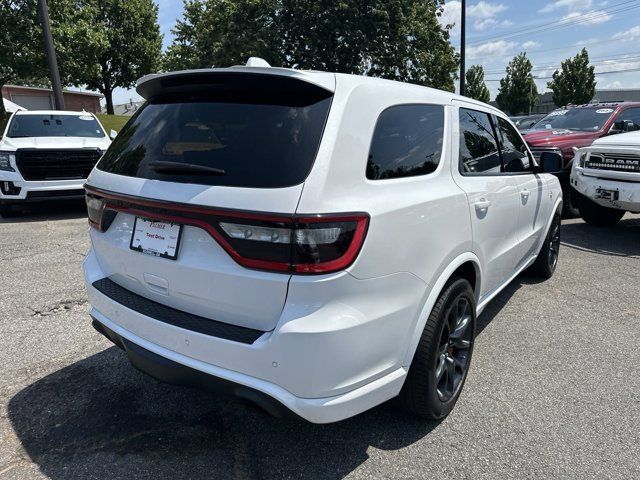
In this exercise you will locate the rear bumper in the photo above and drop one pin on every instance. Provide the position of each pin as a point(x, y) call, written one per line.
point(326, 360)
point(174, 368)
point(175, 373)
point(628, 191)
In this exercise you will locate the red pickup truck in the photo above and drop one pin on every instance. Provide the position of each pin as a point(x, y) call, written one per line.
point(578, 126)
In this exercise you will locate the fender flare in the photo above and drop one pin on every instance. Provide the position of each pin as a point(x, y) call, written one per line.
point(434, 293)
point(556, 206)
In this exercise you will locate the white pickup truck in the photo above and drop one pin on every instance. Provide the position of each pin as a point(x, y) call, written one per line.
point(47, 155)
point(606, 178)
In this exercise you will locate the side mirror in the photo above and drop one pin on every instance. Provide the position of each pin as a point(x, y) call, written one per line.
point(113, 134)
point(622, 126)
point(550, 162)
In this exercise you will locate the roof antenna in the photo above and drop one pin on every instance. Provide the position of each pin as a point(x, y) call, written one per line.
point(257, 62)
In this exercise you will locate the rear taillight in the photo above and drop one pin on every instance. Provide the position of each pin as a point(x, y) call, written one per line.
point(99, 217)
point(304, 244)
point(301, 244)
point(95, 209)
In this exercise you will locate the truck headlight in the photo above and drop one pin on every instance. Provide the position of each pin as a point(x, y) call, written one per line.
point(581, 159)
point(5, 161)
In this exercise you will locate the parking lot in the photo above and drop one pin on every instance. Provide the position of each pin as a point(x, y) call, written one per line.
point(553, 391)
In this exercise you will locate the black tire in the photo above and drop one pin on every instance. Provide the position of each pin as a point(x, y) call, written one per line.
point(441, 362)
point(547, 259)
point(569, 208)
point(7, 211)
point(597, 215)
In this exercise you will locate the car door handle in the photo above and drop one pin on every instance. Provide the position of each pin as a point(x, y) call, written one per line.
point(482, 204)
point(525, 194)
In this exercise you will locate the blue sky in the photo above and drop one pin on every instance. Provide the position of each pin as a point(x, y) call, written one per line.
point(549, 31)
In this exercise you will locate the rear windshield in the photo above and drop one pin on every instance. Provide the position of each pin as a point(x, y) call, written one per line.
point(54, 126)
point(264, 140)
point(583, 119)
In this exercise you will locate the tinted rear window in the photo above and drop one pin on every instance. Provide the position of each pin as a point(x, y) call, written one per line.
point(260, 140)
point(407, 141)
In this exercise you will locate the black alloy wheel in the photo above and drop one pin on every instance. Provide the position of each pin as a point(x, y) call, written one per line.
point(456, 338)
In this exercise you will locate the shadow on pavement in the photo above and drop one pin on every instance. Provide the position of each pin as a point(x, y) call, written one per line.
point(100, 418)
point(620, 240)
point(55, 210)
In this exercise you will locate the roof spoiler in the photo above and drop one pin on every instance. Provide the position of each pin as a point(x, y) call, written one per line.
point(234, 78)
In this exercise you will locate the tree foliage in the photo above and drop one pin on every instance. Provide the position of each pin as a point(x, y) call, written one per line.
point(576, 83)
point(121, 43)
point(518, 91)
point(100, 44)
point(474, 84)
point(395, 39)
point(21, 46)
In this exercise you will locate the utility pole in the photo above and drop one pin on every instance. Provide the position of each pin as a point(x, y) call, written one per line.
point(533, 79)
point(463, 11)
point(50, 50)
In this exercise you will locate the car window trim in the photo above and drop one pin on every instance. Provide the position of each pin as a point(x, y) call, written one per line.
point(493, 128)
point(529, 156)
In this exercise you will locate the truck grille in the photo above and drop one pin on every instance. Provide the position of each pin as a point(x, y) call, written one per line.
point(619, 162)
point(44, 164)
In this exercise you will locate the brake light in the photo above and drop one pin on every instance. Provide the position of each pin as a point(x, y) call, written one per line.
point(304, 244)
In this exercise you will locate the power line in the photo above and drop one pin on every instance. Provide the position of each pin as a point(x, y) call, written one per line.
point(549, 78)
point(610, 58)
point(564, 47)
point(562, 23)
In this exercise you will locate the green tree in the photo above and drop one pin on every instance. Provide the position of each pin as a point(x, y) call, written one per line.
point(517, 92)
point(21, 46)
point(396, 39)
point(474, 84)
point(223, 33)
point(124, 44)
point(576, 83)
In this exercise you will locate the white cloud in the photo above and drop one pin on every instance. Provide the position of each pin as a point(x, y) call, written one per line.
point(592, 17)
point(628, 35)
point(570, 5)
point(619, 64)
point(484, 23)
point(499, 47)
point(614, 84)
point(530, 44)
point(484, 9)
point(484, 14)
point(450, 13)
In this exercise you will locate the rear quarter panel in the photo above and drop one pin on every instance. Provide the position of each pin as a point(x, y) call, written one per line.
point(418, 224)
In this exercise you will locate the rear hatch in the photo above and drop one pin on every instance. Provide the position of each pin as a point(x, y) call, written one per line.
point(192, 202)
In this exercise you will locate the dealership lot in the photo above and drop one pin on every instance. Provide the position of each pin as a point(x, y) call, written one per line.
point(553, 392)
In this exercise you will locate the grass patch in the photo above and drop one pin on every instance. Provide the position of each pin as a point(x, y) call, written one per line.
point(115, 122)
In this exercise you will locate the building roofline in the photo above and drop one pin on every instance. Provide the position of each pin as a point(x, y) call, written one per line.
point(44, 89)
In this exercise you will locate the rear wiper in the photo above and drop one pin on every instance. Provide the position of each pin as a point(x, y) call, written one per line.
point(178, 168)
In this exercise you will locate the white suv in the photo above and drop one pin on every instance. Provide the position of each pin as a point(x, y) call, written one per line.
point(317, 241)
point(47, 155)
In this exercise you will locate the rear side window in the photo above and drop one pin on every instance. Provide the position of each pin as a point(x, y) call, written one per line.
point(407, 141)
point(258, 139)
point(478, 146)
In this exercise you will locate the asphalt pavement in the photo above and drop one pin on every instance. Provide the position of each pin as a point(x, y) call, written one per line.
point(553, 391)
